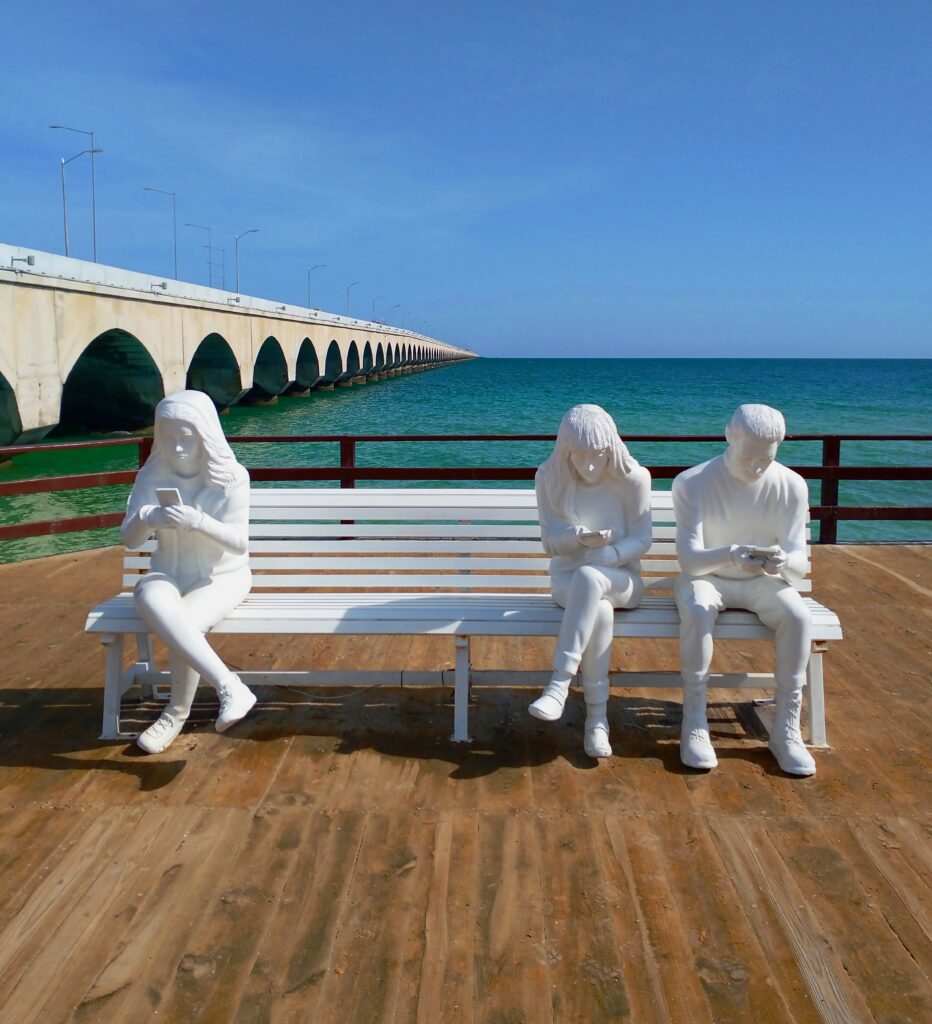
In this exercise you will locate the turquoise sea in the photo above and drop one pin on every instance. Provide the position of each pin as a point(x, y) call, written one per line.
point(529, 396)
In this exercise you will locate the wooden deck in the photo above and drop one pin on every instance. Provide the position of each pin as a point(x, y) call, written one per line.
point(336, 859)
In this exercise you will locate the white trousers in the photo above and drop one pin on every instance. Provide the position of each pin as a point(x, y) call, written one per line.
point(180, 620)
point(700, 599)
point(589, 596)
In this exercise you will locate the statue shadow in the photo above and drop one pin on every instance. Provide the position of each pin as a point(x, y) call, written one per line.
point(56, 729)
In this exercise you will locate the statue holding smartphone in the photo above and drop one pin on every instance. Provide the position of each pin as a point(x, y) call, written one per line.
point(741, 543)
point(593, 498)
point(193, 497)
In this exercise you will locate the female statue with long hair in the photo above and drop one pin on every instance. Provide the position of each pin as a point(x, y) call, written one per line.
point(193, 496)
point(594, 503)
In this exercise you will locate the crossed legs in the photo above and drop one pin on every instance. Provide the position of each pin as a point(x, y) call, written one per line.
point(589, 597)
point(180, 619)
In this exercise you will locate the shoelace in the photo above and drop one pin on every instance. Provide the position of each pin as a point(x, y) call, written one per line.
point(162, 724)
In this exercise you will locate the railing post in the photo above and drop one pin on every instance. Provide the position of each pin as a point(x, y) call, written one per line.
point(831, 458)
point(144, 450)
point(347, 459)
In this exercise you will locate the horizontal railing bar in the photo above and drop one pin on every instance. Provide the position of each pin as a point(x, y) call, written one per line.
point(42, 485)
point(54, 526)
point(917, 513)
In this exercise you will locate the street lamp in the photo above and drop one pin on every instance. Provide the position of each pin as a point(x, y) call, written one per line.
point(147, 188)
point(64, 196)
point(93, 152)
point(347, 296)
point(392, 310)
point(374, 301)
point(210, 251)
point(236, 238)
point(317, 266)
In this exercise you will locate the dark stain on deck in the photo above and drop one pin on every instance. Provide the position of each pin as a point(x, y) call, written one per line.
point(336, 858)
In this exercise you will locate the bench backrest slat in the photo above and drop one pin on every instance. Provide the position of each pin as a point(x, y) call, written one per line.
point(411, 539)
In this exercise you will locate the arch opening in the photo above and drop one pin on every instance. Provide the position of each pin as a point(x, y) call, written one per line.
point(114, 385)
point(367, 358)
point(379, 358)
point(270, 374)
point(215, 371)
point(352, 365)
point(333, 367)
point(307, 374)
point(11, 426)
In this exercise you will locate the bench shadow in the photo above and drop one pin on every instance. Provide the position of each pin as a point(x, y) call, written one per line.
point(51, 728)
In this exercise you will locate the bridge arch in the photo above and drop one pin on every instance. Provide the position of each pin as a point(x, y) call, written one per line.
point(215, 370)
point(367, 358)
point(379, 358)
point(333, 368)
point(270, 373)
point(389, 357)
point(307, 373)
point(352, 364)
point(114, 384)
point(11, 426)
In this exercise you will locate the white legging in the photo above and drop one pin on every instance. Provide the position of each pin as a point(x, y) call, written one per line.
point(590, 595)
point(181, 618)
point(700, 599)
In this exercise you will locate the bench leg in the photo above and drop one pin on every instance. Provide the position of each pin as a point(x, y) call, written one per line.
point(145, 662)
point(113, 685)
point(817, 737)
point(461, 691)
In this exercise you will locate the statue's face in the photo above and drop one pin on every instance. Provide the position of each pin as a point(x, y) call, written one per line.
point(589, 463)
point(183, 449)
point(749, 457)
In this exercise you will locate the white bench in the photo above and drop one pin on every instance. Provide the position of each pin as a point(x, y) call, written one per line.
point(461, 562)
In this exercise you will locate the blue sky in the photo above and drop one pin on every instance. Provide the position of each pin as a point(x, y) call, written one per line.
point(529, 179)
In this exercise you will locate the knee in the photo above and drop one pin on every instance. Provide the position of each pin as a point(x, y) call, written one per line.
point(700, 618)
point(589, 580)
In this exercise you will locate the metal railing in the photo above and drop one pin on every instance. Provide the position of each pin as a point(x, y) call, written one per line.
point(830, 471)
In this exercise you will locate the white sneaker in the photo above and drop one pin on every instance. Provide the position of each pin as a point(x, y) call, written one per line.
point(549, 705)
point(160, 735)
point(595, 738)
point(236, 701)
point(786, 742)
point(695, 743)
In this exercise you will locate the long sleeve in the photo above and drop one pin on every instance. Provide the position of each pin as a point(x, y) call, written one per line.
point(694, 557)
point(636, 501)
point(134, 531)
point(793, 541)
point(232, 532)
point(557, 534)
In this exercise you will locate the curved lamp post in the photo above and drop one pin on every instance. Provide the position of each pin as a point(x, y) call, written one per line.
point(317, 266)
point(236, 238)
point(64, 195)
point(148, 188)
point(348, 298)
point(93, 152)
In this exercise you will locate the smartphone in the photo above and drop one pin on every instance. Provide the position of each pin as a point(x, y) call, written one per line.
point(592, 534)
point(759, 554)
point(168, 496)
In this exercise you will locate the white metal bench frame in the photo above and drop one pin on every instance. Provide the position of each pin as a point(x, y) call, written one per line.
point(411, 561)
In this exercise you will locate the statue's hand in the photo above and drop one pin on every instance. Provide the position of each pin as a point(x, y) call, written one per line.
point(155, 516)
point(742, 555)
point(593, 538)
point(775, 563)
point(183, 517)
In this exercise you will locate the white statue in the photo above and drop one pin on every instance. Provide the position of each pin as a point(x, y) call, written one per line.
point(741, 543)
point(193, 496)
point(594, 505)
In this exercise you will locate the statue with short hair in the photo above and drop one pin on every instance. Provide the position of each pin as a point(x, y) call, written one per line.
point(741, 543)
point(593, 498)
point(193, 496)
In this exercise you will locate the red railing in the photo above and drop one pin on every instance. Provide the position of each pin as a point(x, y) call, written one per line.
point(347, 473)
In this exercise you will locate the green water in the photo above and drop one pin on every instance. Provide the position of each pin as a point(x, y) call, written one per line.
point(529, 396)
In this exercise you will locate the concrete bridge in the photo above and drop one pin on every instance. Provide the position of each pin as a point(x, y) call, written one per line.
point(92, 347)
